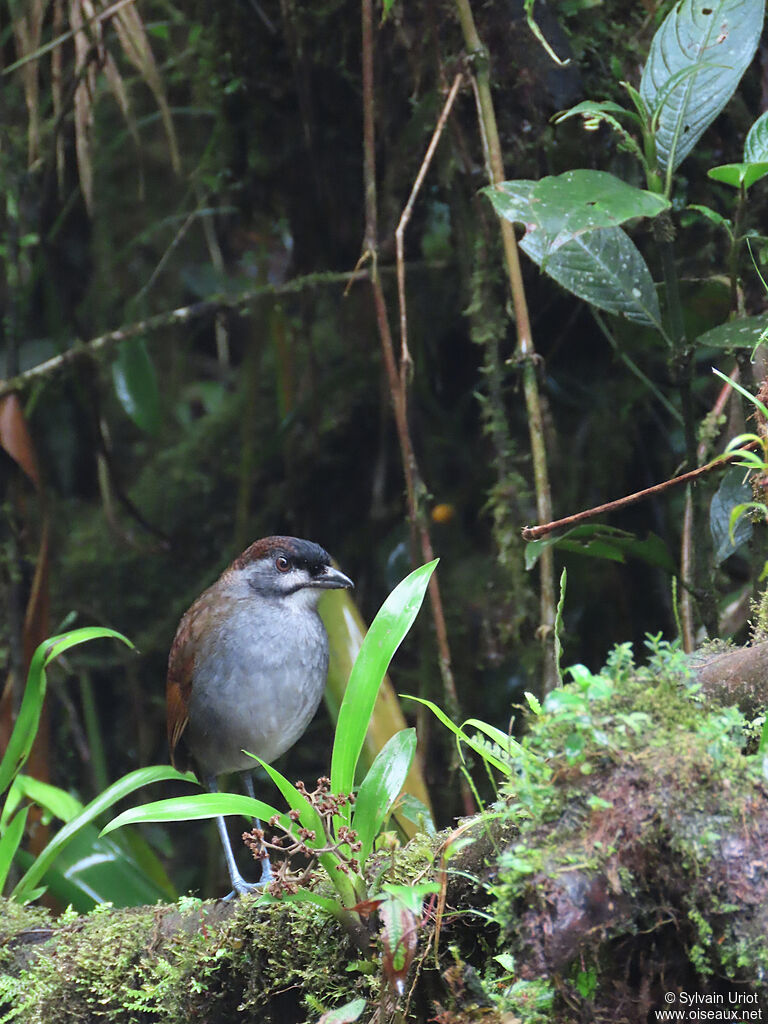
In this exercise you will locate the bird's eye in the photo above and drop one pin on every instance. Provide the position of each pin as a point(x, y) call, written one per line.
point(282, 564)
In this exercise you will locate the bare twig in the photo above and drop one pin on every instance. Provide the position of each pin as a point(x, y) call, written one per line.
point(405, 356)
point(413, 483)
point(537, 532)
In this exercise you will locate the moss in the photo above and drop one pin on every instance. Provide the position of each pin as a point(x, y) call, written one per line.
point(197, 961)
point(631, 799)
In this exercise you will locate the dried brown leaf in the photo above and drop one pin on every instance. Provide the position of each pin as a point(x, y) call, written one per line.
point(135, 44)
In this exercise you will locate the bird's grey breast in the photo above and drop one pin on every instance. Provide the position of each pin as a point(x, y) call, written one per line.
point(257, 683)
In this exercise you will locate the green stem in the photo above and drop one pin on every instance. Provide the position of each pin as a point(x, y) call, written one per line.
point(682, 359)
point(526, 353)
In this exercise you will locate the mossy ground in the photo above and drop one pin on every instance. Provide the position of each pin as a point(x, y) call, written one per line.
point(638, 866)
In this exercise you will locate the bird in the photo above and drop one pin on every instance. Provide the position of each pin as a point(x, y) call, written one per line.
point(247, 667)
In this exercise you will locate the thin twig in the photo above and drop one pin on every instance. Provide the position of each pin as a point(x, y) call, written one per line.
point(536, 532)
point(405, 356)
point(414, 486)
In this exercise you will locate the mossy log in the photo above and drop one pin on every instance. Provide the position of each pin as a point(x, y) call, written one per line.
point(623, 869)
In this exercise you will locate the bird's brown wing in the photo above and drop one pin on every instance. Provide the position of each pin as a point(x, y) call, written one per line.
point(178, 688)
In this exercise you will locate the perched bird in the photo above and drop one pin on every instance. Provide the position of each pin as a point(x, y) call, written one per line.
point(248, 666)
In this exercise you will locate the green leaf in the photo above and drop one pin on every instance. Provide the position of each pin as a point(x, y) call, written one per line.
point(733, 491)
point(55, 801)
point(325, 903)
point(712, 215)
point(742, 333)
point(604, 268)
point(92, 870)
point(381, 787)
point(127, 784)
point(411, 896)
point(195, 808)
point(351, 1011)
point(756, 142)
point(462, 737)
point(25, 729)
point(601, 541)
point(739, 175)
point(136, 384)
point(386, 633)
point(561, 208)
point(9, 843)
point(716, 43)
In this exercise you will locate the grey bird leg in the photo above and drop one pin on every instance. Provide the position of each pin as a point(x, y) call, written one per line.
point(239, 884)
point(266, 867)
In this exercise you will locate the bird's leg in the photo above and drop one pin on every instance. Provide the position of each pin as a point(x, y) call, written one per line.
point(266, 867)
point(239, 884)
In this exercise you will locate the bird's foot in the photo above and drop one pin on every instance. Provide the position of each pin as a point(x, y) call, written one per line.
point(241, 888)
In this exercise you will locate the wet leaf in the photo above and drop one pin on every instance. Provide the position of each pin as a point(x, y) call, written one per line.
point(136, 384)
point(604, 268)
point(562, 207)
point(696, 60)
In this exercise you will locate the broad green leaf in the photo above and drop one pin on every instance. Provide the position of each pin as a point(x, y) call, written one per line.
point(9, 843)
point(733, 490)
point(25, 728)
point(742, 333)
point(411, 896)
point(715, 42)
point(739, 175)
point(601, 541)
point(381, 787)
point(127, 784)
point(756, 142)
point(351, 1011)
point(386, 633)
point(92, 870)
point(604, 268)
point(560, 208)
point(136, 384)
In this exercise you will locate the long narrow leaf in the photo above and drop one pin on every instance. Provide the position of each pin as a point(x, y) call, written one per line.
point(196, 808)
point(9, 843)
point(381, 787)
point(462, 737)
point(127, 784)
point(394, 619)
point(25, 729)
point(330, 906)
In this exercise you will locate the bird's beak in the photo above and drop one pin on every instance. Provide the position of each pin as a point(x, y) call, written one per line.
point(332, 579)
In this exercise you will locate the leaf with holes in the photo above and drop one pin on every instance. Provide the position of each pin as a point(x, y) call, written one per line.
point(696, 60)
point(562, 207)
